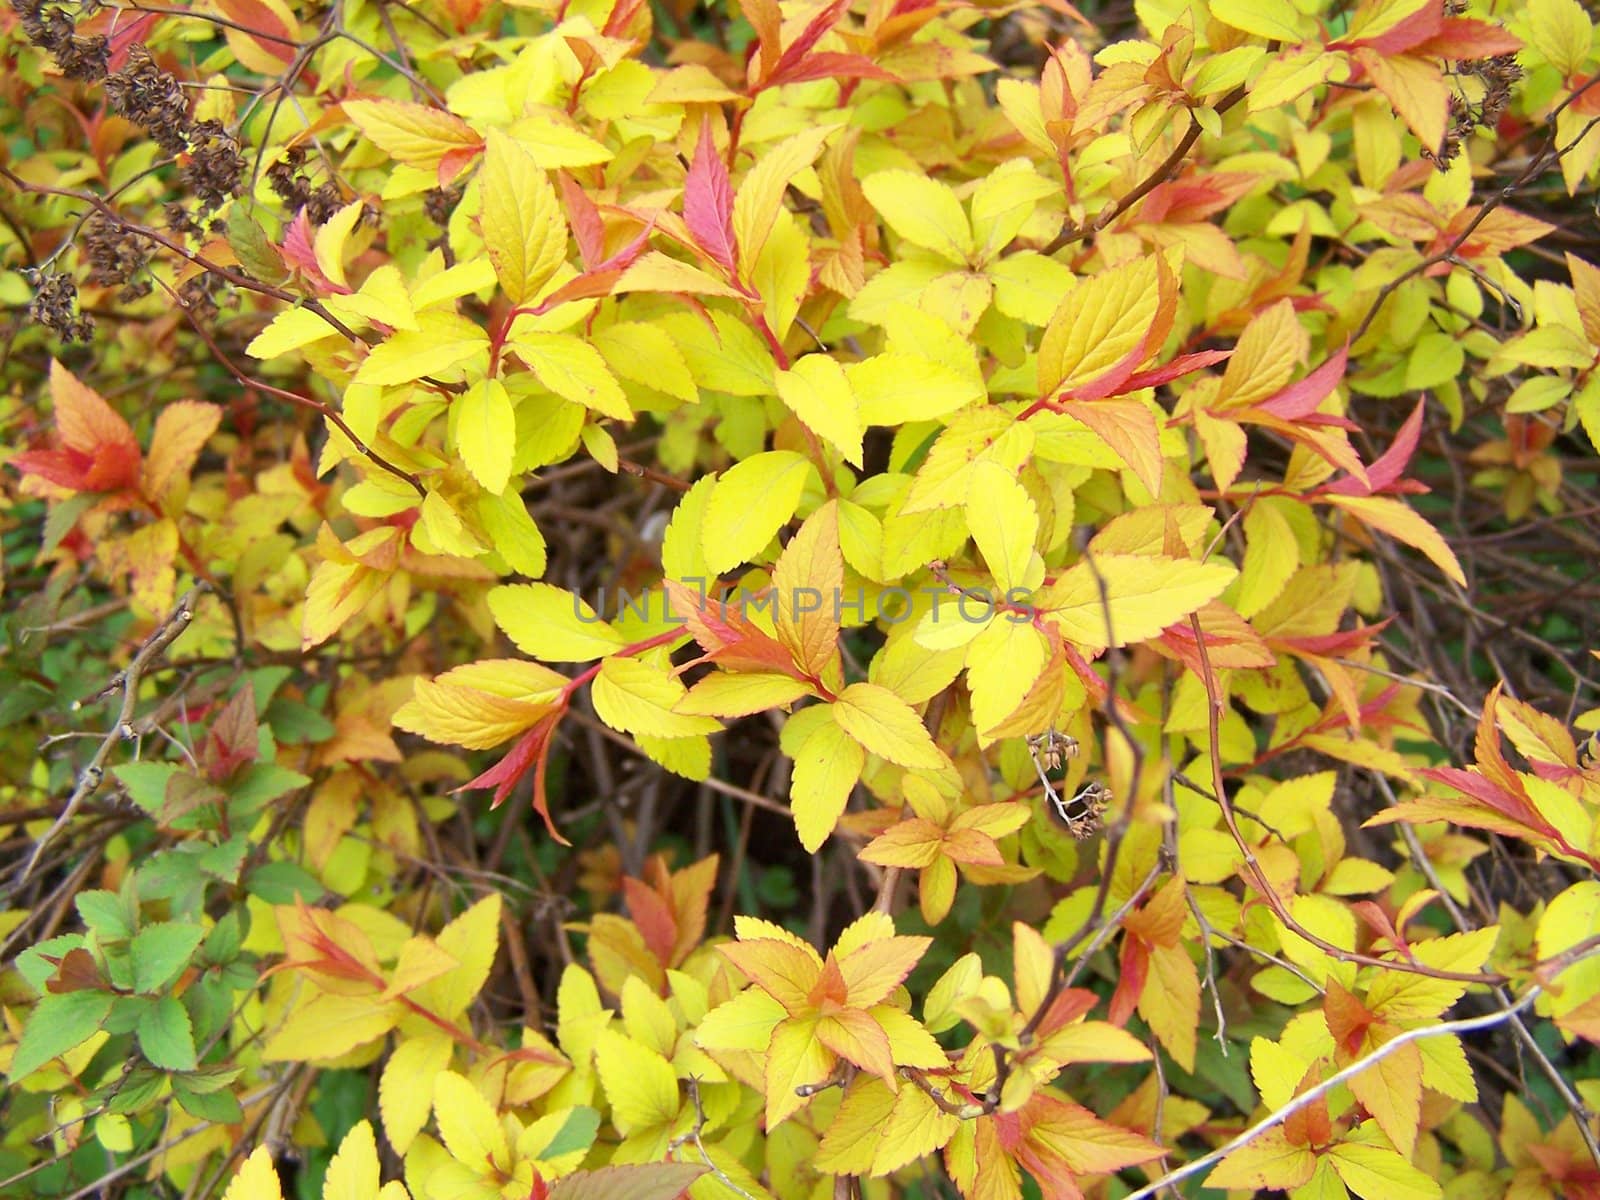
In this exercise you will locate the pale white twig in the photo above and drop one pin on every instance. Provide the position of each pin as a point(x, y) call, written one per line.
point(1279, 1115)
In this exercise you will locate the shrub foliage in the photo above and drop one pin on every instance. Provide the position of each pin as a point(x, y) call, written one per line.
point(1028, 564)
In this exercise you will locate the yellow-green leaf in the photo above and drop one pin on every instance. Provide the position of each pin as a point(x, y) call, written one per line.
point(414, 134)
point(635, 697)
point(486, 433)
point(887, 726)
point(1143, 594)
point(817, 390)
point(750, 503)
point(523, 229)
point(826, 769)
point(551, 623)
point(923, 211)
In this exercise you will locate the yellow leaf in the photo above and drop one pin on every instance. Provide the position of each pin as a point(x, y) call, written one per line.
point(472, 939)
point(405, 1090)
point(412, 133)
point(290, 330)
point(750, 503)
point(1275, 20)
point(655, 272)
point(760, 195)
point(512, 532)
point(1003, 662)
point(887, 726)
point(420, 960)
point(1391, 1090)
point(640, 1085)
point(916, 1129)
point(329, 1025)
point(551, 623)
point(1408, 996)
point(1170, 1002)
point(353, 1173)
point(739, 694)
point(745, 1022)
point(854, 1138)
point(645, 354)
point(1268, 1162)
point(182, 430)
point(1416, 87)
point(441, 342)
point(817, 391)
point(633, 696)
point(1143, 595)
point(1004, 524)
point(894, 388)
point(481, 704)
point(1271, 557)
point(486, 433)
point(1379, 1171)
point(553, 140)
point(523, 229)
point(330, 239)
point(794, 1057)
point(573, 370)
point(826, 768)
point(1100, 323)
point(923, 211)
point(257, 1178)
point(1561, 31)
point(1268, 350)
point(468, 1125)
point(1400, 521)
point(1287, 77)
point(808, 584)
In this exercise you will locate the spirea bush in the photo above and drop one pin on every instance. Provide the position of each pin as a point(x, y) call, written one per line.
point(909, 598)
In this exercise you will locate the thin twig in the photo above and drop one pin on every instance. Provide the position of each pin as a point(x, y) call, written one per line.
point(1283, 1113)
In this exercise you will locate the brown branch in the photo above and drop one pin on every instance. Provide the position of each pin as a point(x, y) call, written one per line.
point(1547, 156)
point(1169, 167)
point(317, 406)
point(122, 729)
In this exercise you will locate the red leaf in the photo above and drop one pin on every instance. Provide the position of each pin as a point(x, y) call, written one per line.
point(831, 65)
point(298, 252)
point(584, 218)
point(233, 739)
point(1181, 365)
point(1300, 399)
point(726, 635)
point(708, 202)
point(1384, 475)
point(1130, 980)
point(98, 452)
point(1402, 36)
point(820, 24)
point(532, 752)
point(1464, 37)
point(653, 917)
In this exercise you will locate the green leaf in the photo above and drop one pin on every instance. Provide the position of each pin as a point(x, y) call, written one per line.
point(223, 1108)
point(106, 915)
point(56, 1025)
point(160, 951)
point(281, 882)
point(260, 783)
point(146, 783)
point(165, 1035)
point(577, 1133)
